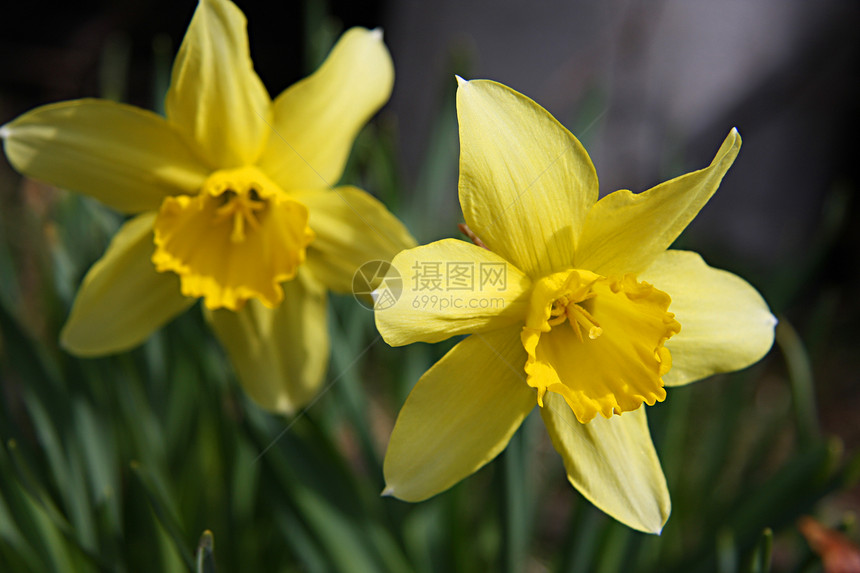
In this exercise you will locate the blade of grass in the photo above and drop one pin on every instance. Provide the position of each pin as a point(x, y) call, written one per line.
point(206, 553)
point(515, 511)
point(760, 557)
point(614, 549)
point(304, 547)
point(800, 377)
point(321, 491)
point(726, 550)
point(163, 510)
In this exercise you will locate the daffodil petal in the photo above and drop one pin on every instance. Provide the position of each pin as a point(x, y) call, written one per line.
point(459, 416)
point(351, 228)
point(317, 119)
point(612, 462)
point(216, 98)
point(526, 183)
point(725, 323)
point(624, 231)
point(447, 288)
point(125, 157)
point(122, 299)
point(280, 355)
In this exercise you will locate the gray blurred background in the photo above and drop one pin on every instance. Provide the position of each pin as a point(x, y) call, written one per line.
point(651, 87)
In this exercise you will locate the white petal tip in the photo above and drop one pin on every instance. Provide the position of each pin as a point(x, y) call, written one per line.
point(388, 491)
point(376, 33)
point(374, 294)
point(5, 131)
point(460, 81)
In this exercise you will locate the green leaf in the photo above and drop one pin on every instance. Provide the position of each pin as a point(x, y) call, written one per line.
point(206, 553)
point(760, 557)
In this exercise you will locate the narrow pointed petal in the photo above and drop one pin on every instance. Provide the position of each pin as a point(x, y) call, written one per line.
point(125, 157)
point(447, 288)
point(122, 299)
point(351, 228)
point(526, 183)
point(612, 462)
point(280, 355)
point(216, 98)
point(317, 119)
point(725, 323)
point(624, 231)
point(459, 416)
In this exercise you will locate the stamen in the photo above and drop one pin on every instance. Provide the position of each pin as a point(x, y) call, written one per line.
point(568, 307)
point(242, 207)
point(557, 320)
point(571, 315)
point(238, 234)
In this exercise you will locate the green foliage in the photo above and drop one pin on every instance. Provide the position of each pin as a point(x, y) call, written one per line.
point(137, 462)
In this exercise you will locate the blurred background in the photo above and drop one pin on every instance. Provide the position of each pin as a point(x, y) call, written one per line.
point(120, 464)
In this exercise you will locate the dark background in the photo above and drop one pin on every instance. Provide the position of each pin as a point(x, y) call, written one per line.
point(650, 87)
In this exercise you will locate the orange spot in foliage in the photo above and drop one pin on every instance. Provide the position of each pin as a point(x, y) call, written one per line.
point(837, 553)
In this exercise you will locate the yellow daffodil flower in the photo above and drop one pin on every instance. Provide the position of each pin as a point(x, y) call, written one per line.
point(572, 304)
point(232, 201)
